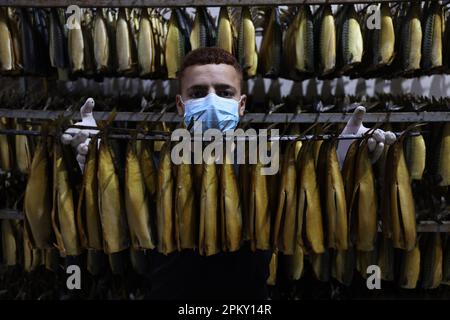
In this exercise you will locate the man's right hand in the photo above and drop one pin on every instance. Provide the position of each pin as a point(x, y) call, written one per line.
point(79, 138)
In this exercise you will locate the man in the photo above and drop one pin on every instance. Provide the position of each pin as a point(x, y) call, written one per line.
point(210, 90)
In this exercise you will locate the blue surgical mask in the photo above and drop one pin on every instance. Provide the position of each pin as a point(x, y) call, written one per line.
point(213, 112)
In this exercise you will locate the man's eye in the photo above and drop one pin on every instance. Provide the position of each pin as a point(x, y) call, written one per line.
point(225, 94)
point(196, 95)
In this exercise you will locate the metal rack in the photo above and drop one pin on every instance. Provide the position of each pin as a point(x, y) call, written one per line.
point(252, 117)
point(173, 3)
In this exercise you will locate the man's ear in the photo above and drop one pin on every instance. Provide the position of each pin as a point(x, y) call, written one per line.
point(242, 105)
point(180, 105)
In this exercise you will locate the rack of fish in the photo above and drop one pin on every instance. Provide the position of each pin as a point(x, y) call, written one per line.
point(409, 39)
point(38, 103)
point(132, 199)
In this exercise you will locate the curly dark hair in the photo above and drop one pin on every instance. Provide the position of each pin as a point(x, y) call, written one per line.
point(209, 55)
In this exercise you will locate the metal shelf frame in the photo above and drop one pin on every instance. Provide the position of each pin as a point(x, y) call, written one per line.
point(173, 3)
point(424, 116)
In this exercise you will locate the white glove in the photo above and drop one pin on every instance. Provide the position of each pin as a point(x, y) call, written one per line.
point(375, 143)
point(79, 138)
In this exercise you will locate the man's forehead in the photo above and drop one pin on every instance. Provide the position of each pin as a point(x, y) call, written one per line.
point(210, 74)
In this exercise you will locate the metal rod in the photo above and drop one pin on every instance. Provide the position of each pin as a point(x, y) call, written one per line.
point(425, 116)
point(162, 137)
point(172, 3)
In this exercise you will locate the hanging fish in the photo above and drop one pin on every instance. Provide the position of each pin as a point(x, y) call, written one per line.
point(146, 46)
point(136, 202)
point(273, 267)
point(101, 43)
point(295, 263)
point(245, 176)
point(76, 48)
point(309, 208)
point(87, 28)
point(259, 209)
point(27, 251)
point(399, 198)
point(411, 39)
point(209, 227)
point(159, 27)
point(326, 41)
point(37, 202)
point(148, 168)
point(432, 37)
point(230, 207)
point(40, 24)
point(163, 26)
point(9, 240)
point(383, 39)
point(57, 42)
point(225, 39)
point(111, 17)
point(285, 233)
point(63, 212)
point(185, 208)
point(431, 263)
point(6, 44)
point(14, 27)
point(410, 268)
point(363, 204)
point(88, 213)
point(271, 46)
point(443, 170)
point(126, 60)
point(247, 52)
point(23, 152)
point(201, 34)
point(133, 16)
point(110, 203)
point(299, 39)
point(164, 214)
point(160, 126)
point(333, 200)
point(415, 154)
point(348, 172)
point(176, 44)
point(380, 170)
point(350, 37)
point(6, 162)
point(28, 44)
point(446, 261)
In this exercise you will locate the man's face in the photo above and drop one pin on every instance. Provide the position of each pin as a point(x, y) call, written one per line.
point(221, 79)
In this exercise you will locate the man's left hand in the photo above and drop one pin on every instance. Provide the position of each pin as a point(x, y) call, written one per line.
point(375, 143)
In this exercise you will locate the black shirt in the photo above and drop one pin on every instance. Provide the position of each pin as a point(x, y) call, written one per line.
point(231, 275)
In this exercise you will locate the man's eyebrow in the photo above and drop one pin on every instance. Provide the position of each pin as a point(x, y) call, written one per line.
point(223, 86)
point(198, 87)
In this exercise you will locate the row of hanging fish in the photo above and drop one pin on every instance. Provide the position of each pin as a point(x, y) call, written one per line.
point(310, 207)
point(426, 265)
point(404, 40)
point(105, 42)
point(298, 43)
